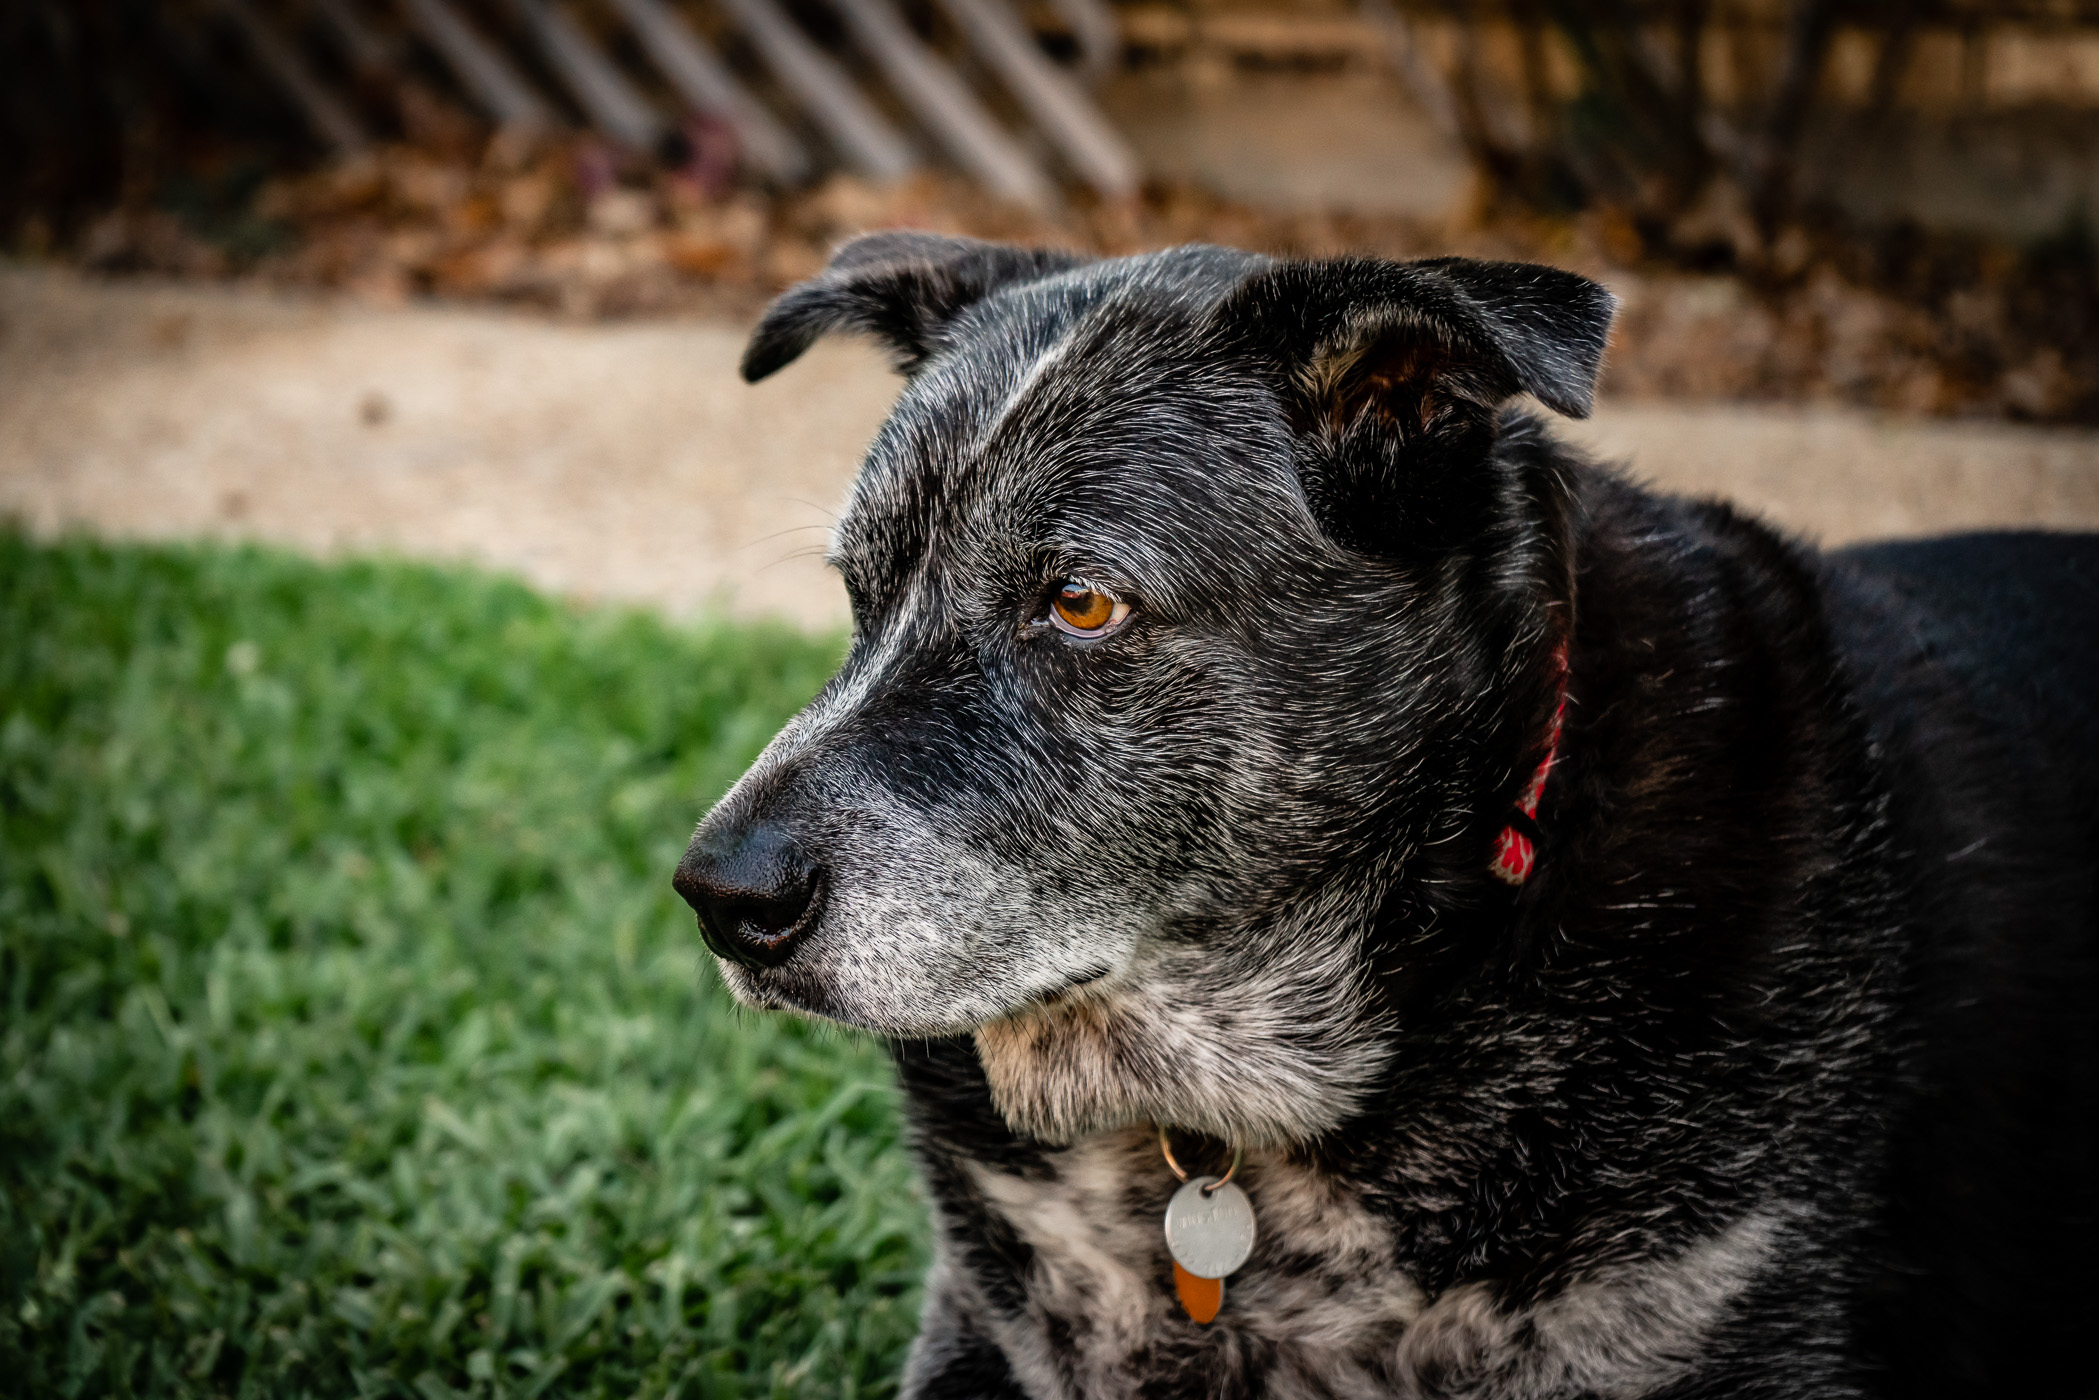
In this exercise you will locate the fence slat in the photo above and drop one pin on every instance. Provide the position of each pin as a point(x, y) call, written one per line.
point(863, 135)
point(704, 81)
point(368, 51)
point(332, 121)
point(938, 98)
point(1053, 100)
point(487, 76)
point(1098, 34)
point(600, 89)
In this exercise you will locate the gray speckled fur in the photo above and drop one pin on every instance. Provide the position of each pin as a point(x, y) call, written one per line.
point(1761, 1086)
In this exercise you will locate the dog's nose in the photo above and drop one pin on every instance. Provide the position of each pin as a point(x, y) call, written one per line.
point(752, 889)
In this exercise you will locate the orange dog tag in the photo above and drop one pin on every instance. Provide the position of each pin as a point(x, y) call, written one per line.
point(1201, 1297)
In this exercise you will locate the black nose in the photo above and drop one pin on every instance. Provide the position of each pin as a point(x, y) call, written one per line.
point(754, 891)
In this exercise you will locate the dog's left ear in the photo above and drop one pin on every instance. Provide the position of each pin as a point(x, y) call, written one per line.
point(902, 287)
point(1394, 375)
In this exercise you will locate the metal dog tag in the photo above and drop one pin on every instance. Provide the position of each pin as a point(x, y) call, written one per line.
point(1209, 1235)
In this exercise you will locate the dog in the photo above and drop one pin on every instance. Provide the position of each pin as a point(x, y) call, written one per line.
point(1611, 948)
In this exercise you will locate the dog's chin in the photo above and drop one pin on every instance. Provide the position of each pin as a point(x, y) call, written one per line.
point(801, 991)
point(1109, 1057)
point(792, 990)
point(1098, 1052)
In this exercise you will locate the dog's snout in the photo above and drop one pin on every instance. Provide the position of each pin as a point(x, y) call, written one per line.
point(754, 890)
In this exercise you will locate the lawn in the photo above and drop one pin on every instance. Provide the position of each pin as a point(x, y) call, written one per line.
point(354, 1041)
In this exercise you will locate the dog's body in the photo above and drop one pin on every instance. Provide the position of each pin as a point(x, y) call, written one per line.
point(1775, 1077)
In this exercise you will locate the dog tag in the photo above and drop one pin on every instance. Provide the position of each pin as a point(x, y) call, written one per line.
point(1210, 1234)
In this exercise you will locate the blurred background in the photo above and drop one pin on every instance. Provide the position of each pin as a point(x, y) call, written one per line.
point(393, 567)
point(1855, 242)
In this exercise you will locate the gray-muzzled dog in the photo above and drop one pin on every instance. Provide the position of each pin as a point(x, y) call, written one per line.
point(1623, 951)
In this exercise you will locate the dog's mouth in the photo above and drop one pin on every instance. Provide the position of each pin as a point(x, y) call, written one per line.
point(1070, 989)
point(799, 988)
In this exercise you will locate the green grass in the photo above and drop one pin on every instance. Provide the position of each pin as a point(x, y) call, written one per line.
point(354, 1042)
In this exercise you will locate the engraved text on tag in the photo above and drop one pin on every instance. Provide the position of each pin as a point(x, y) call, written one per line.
point(1209, 1235)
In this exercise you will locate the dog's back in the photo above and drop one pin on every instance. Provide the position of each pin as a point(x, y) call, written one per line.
point(2014, 616)
point(1974, 655)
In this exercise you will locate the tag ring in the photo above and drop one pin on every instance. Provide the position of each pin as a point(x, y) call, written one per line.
point(1166, 1150)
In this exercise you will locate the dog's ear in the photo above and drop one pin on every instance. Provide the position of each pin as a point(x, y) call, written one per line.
point(902, 287)
point(1394, 375)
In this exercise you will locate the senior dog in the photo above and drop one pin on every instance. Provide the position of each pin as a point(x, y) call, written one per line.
point(1580, 942)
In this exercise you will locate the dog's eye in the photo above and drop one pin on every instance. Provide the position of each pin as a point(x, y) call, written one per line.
point(1085, 611)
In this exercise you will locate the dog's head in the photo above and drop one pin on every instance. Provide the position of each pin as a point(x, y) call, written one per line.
point(1203, 615)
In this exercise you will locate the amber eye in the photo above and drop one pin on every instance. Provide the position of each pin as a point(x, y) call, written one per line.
point(1085, 611)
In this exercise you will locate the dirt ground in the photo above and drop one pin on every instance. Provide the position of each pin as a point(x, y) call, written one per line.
point(628, 461)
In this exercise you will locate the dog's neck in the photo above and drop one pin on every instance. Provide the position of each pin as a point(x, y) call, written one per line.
point(1515, 1007)
point(1409, 1052)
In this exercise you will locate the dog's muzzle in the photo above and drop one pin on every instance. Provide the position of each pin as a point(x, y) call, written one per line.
point(755, 891)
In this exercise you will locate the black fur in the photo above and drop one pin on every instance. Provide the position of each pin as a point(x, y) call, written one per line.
point(901, 287)
point(1776, 1078)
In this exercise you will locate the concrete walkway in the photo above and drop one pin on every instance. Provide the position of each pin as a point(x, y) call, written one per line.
point(629, 461)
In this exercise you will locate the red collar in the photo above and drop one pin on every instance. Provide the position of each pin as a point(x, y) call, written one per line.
point(1516, 848)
